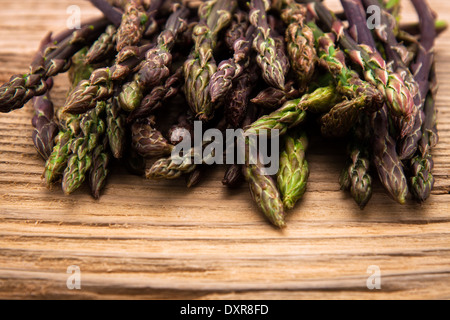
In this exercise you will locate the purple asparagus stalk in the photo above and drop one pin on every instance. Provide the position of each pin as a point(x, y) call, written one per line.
point(21, 88)
point(398, 97)
point(273, 63)
point(156, 98)
point(273, 98)
point(148, 141)
point(238, 99)
point(398, 54)
point(300, 42)
point(155, 69)
point(100, 86)
point(45, 128)
point(229, 70)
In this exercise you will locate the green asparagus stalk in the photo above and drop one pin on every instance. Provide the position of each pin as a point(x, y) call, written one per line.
point(422, 179)
point(172, 167)
point(294, 170)
point(69, 126)
point(80, 70)
point(56, 163)
point(293, 112)
point(343, 116)
point(215, 15)
point(155, 69)
point(264, 192)
point(100, 86)
point(80, 162)
point(99, 170)
point(273, 63)
point(177, 165)
point(115, 128)
point(430, 137)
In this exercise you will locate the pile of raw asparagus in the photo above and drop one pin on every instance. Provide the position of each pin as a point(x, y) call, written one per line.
point(256, 65)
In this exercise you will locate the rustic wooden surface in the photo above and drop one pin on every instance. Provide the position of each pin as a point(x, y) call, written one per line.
point(158, 240)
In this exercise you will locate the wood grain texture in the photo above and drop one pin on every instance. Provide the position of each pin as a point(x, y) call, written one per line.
point(147, 239)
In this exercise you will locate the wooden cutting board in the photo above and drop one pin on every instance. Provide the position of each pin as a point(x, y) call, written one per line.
point(147, 239)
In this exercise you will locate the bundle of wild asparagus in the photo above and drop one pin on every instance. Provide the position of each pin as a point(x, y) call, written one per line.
point(262, 66)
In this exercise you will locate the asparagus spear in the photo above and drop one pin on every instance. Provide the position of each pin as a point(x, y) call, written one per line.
point(237, 30)
point(294, 170)
point(80, 69)
point(300, 40)
point(265, 194)
point(293, 112)
point(385, 157)
point(177, 132)
point(386, 160)
point(115, 128)
point(99, 170)
point(343, 116)
point(233, 176)
point(148, 141)
point(355, 176)
point(56, 163)
point(45, 128)
point(273, 98)
point(21, 88)
point(100, 86)
point(156, 98)
point(176, 165)
point(103, 47)
point(111, 13)
point(69, 126)
point(398, 97)
point(133, 23)
point(348, 82)
point(422, 179)
point(237, 102)
point(82, 147)
point(274, 65)
point(155, 69)
point(200, 66)
point(172, 167)
point(194, 178)
point(398, 53)
point(430, 137)
point(229, 70)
